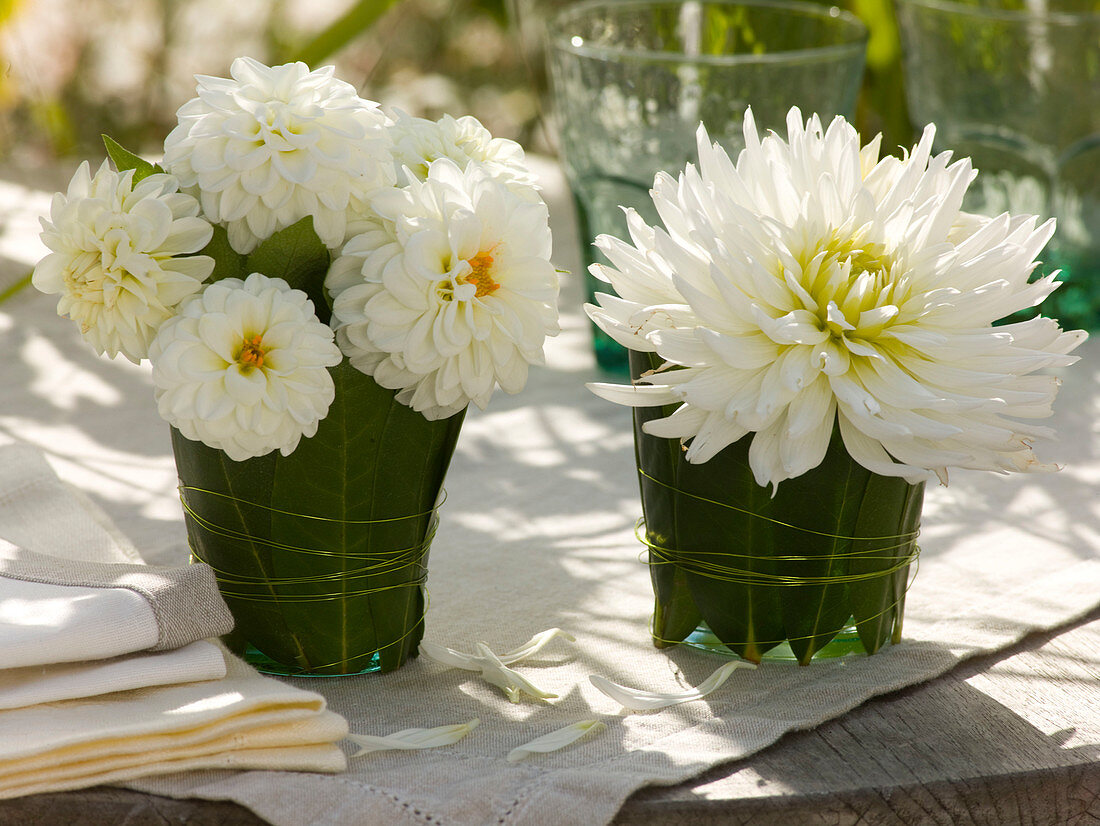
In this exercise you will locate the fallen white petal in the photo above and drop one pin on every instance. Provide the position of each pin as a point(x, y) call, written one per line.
point(534, 645)
point(448, 656)
point(640, 700)
point(555, 740)
point(470, 662)
point(413, 738)
point(500, 675)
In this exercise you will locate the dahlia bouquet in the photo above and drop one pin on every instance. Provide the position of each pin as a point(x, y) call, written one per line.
point(321, 287)
point(813, 335)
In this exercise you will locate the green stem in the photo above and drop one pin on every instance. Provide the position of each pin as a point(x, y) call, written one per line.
point(17, 287)
point(353, 23)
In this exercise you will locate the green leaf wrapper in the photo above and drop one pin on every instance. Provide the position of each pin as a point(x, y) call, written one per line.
point(831, 546)
point(321, 554)
point(342, 591)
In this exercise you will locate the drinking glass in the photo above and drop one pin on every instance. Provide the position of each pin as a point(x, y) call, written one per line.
point(632, 79)
point(1015, 85)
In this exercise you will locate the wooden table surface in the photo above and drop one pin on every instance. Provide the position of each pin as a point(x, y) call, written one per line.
point(1010, 738)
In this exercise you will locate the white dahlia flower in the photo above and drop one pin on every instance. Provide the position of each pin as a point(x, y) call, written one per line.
point(448, 292)
point(276, 144)
point(418, 142)
point(242, 367)
point(811, 284)
point(120, 256)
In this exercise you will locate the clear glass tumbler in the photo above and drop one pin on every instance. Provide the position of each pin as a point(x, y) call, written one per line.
point(632, 79)
point(1015, 85)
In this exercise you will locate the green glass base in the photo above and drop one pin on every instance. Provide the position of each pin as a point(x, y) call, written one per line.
point(265, 665)
point(845, 643)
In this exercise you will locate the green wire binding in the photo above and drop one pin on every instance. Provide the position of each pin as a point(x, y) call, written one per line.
point(375, 563)
point(902, 536)
point(660, 555)
point(741, 576)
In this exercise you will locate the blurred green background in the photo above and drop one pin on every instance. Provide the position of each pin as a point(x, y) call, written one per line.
point(72, 69)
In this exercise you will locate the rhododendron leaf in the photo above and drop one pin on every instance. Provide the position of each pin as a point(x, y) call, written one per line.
point(222, 489)
point(747, 619)
point(675, 614)
point(297, 256)
point(828, 500)
point(877, 602)
point(754, 575)
point(228, 263)
point(347, 474)
point(124, 159)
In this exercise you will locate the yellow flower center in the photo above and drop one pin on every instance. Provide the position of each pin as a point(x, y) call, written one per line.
point(870, 284)
point(481, 274)
point(864, 257)
point(252, 353)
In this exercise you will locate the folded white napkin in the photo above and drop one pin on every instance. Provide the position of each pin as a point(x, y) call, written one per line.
point(55, 610)
point(104, 676)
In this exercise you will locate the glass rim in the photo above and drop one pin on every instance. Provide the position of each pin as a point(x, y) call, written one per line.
point(1057, 16)
point(559, 40)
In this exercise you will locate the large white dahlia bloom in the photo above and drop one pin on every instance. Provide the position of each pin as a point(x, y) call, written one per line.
point(418, 142)
point(811, 283)
point(448, 291)
point(120, 256)
point(242, 368)
point(276, 144)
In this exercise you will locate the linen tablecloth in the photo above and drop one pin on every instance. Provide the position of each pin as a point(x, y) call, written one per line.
point(538, 531)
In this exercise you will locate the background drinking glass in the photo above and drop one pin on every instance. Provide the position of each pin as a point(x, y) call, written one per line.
point(1015, 85)
point(632, 80)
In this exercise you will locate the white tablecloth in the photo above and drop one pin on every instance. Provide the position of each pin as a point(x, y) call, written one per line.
point(538, 532)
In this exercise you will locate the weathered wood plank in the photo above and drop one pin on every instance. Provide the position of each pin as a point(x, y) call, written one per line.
point(120, 807)
point(1009, 738)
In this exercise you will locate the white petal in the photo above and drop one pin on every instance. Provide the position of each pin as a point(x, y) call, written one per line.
point(555, 740)
point(413, 738)
point(534, 645)
point(515, 685)
point(448, 656)
point(472, 662)
point(636, 699)
point(639, 395)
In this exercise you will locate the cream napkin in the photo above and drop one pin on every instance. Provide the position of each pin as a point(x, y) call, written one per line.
point(74, 596)
point(243, 721)
point(70, 681)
